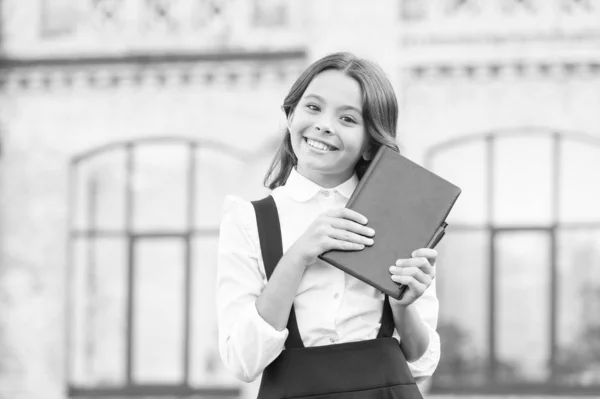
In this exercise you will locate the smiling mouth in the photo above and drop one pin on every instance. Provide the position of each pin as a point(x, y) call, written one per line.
point(319, 145)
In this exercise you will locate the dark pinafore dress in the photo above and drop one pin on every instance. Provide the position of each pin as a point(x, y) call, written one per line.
point(374, 368)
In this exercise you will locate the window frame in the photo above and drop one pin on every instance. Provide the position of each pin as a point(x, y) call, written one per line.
point(131, 237)
point(491, 385)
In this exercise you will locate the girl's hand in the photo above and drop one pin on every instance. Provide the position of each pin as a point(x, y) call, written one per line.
point(341, 229)
point(417, 273)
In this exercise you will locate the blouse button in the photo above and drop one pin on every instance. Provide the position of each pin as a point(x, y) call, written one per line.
point(326, 193)
point(336, 296)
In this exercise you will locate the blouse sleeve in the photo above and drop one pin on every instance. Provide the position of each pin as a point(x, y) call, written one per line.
point(427, 306)
point(247, 343)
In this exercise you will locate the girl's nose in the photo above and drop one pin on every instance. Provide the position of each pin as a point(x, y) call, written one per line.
point(325, 128)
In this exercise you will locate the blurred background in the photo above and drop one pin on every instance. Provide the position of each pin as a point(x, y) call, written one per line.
point(123, 123)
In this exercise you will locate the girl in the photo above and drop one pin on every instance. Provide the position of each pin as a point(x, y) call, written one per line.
point(311, 329)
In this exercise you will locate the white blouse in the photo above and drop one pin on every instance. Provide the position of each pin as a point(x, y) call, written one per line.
point(331, 306)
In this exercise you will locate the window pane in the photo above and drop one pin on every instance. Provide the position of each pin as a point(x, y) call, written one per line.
point(578, 360)
point(100, 192)
point(206, 365)
point(161, 181)
point(579, 182)
point(522, 177)
point(80, 360)
point(99, 322)
point(466, 167)
point(158, 311)
point(462, 284)
point(523, 282)
point(219, 174)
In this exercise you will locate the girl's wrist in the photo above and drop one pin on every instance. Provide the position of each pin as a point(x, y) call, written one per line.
point(398, 304)
point(295, 259)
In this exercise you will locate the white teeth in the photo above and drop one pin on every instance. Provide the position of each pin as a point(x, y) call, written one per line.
point(318, 145)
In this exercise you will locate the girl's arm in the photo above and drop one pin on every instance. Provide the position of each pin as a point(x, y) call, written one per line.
point(335, 229)
point(247, 344)
point(415, 315)
point(252, 313)
point(413, 332)
point(275, 301)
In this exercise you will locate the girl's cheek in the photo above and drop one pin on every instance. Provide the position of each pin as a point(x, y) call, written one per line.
point(301, 126)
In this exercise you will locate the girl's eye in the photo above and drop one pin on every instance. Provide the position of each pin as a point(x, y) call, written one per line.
point(348, 119)
point(312, 107)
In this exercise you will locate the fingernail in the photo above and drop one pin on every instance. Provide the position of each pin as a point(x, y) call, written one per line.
point(413, 254)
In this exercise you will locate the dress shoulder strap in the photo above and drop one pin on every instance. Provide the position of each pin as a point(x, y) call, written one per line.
point(271, 247)
point(387, 320)
point(269, 232)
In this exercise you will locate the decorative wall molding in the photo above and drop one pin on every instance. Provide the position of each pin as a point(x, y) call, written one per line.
point(495, 21)
point(533, 38)
point(39, 28)
point(225, 69)
point(558, 11)
point(500, 70)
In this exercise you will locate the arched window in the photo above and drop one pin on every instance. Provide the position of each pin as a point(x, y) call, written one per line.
point(519, 274)
point(142, 264)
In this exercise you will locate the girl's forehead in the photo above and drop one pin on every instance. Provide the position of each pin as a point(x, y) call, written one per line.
point(335, 86)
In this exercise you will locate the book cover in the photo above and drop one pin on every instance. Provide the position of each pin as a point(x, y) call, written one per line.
point(407, 206)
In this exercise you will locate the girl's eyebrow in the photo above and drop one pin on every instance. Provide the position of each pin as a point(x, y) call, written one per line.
point(315, 96)
point(343, 107)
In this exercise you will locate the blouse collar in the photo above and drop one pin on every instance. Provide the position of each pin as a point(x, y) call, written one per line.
point(302, 189)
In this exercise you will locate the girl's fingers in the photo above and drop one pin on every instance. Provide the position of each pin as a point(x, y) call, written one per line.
point(345, 235)
point(350, 214)
point(425, 253)
point(413, 272)
point(429, 253)
point(423, 263)
point(417, 287)
point(344, 224)
point(344, 245)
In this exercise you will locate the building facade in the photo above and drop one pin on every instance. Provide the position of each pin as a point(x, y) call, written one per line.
point(123, 124)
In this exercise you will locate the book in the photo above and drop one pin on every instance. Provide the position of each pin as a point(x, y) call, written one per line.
point(407, 206)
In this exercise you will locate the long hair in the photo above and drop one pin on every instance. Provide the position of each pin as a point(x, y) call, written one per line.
point(380, 111)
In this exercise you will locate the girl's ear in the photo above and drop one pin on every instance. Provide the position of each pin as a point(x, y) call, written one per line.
point(368, 153)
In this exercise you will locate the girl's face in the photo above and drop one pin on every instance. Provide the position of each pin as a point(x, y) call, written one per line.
point(327, 129)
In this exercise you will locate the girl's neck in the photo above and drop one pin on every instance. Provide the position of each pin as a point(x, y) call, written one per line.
point(325, 180)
